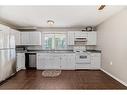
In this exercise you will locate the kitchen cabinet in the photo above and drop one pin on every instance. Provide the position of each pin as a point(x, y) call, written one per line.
point(95, 60)
point(55, 61)
point(41, 60)
point(24, 38)
point(20, 63)
point(35, 38)
point(31, 38)
point(91, 39)
point(80, 34)
point(48, 61)
point(16, 34)
point(70, 38)
point(67, 61)
point(90, 36)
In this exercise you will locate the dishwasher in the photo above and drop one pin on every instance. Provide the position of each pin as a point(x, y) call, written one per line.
point(30, 60)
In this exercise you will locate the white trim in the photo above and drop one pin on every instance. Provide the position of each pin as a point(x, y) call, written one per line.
point(122, 82)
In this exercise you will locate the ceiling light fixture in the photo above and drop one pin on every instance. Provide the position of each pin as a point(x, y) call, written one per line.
point(50, 22)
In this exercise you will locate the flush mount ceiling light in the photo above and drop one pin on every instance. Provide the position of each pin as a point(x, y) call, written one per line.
point(50, 22)
point(101, 7)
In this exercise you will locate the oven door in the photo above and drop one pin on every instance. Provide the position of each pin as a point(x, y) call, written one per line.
point(83, 58)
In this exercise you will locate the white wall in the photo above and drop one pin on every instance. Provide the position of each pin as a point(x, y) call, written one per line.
point(112, 40)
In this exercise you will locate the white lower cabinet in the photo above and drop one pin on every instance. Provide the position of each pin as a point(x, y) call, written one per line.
point(95, 60)
point(20, 64)
point(52, 61)
point(48, 61)
point(55, 61)
point(67, 61)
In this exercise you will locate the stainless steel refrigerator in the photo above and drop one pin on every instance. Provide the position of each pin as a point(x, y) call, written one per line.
point(7, 54)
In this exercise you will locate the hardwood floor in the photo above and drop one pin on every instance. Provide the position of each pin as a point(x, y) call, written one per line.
point(33, 79)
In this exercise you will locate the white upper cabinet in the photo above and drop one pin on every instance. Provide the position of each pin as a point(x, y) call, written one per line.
point(31, 38)
point(91, 40)
point(24, 38)
point(16, 34)
point(80, 34)
point(70, 38)
point(75, 35)
point(35, 38)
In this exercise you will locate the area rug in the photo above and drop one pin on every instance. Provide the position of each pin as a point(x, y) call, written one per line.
point(51, 73)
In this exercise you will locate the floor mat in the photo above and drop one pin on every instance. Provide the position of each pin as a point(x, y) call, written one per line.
point(51, 73)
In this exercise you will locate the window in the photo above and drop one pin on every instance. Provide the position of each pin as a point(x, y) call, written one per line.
point(55, 41)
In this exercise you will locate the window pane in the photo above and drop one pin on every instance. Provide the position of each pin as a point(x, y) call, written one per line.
point(48, 41)
point(54, 41)
point(60, 41)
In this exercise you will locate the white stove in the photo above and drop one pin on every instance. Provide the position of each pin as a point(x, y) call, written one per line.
point(82, 56)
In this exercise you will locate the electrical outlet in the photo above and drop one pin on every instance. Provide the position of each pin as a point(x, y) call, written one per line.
point(110, 62)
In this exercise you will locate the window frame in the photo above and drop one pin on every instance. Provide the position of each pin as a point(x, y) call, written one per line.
point(54, 33)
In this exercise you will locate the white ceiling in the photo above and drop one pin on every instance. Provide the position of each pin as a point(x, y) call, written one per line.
point(63, 16)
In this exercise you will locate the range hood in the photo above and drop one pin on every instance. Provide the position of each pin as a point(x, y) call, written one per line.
point(80, 39)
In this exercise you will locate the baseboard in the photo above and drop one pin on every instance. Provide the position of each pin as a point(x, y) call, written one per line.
point(125, 84)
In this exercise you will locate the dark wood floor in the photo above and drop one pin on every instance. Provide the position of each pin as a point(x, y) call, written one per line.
point(33, 79)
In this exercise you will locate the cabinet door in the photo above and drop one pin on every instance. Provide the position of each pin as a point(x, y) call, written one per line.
point(17, 38)
point(79, 34)
point(20, 64)
point(35, 38)
point(16, 35)
point(70, 38)
point(95, 60)
point(71, 61)
point(41, 61)
point(52, 62)
point(25, 38)
point(91, 40)
point(68, 61)
point(63, 62)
